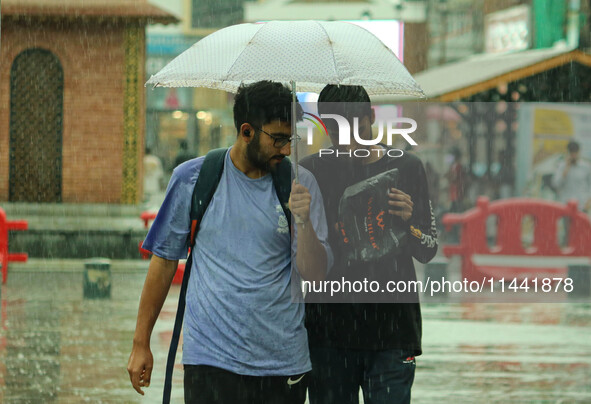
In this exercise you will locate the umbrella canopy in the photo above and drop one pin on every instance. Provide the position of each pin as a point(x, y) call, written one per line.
point(309, 53)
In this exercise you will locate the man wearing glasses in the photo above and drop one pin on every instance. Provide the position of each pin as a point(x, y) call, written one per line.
point(244, 338)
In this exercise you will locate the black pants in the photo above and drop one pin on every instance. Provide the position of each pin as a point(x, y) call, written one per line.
point(386, 377)
point(210, 385)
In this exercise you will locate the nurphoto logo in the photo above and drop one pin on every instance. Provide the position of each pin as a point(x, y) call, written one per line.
point(341, 132)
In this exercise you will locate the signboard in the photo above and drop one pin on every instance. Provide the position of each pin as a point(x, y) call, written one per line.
point(507, 30)
point(169, 44)
point(390, 32)
point(544, 130)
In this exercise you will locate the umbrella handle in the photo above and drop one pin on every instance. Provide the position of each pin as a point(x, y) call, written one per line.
point(294, 130)
point(298, 220)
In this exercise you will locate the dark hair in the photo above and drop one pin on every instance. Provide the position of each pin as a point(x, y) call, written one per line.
point(333, 93)
point(263, 102)
point(572, 147)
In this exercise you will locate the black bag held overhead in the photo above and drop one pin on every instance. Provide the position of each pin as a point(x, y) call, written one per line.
point(207, 182)
point(368, 232)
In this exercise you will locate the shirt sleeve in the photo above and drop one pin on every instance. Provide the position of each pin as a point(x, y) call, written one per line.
point(317, 217)
point(168, 237)
point(423, 232)
point(558, 178)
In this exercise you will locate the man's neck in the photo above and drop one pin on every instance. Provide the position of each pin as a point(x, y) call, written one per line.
point(376, 153)
point(238, 157)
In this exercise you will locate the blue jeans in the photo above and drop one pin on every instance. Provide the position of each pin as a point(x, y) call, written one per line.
point(337, 374)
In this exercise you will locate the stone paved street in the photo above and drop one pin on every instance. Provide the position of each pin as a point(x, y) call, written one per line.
point(57, 347)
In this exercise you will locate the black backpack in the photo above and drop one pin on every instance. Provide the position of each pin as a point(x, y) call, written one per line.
point(207, 182)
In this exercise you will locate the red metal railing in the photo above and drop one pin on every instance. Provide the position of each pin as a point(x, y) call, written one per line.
point(509, 257)
point(5, 256)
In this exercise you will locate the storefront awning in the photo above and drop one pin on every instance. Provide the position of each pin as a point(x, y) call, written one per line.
point(479, 73)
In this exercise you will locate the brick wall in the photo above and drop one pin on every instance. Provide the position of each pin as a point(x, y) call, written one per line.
point(92, 58)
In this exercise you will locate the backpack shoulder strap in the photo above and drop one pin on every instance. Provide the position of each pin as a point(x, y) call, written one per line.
point(207, 182)
point(282, 183)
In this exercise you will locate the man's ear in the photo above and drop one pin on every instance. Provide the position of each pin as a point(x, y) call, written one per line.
point(246, 132)
point(372, 118)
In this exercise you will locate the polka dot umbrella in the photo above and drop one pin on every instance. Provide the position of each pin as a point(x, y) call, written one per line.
point(309, 54)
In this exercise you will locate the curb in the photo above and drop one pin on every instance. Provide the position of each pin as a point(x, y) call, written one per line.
point(37, 265)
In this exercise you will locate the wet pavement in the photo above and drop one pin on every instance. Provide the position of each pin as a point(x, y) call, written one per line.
point(56, 347)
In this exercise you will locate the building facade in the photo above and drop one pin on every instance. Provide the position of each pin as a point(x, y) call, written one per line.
point(72, 100)
point(198, 119)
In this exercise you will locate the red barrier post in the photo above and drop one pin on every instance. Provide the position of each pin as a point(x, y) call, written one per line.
point(5, 256)
point(147, 217)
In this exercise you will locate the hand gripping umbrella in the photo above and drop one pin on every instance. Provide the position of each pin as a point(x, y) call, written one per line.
point(309, 53)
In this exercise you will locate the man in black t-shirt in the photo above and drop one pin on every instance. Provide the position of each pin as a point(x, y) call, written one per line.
point(360, 344)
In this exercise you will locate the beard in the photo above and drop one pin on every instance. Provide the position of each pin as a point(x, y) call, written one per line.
point(256, 158)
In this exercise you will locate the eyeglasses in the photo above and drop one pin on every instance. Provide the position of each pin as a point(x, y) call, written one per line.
point(279, 141)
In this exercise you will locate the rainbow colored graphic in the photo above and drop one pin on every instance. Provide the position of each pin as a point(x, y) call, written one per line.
point(317, 122)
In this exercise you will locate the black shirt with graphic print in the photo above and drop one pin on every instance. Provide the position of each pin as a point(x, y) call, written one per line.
point(372, 326)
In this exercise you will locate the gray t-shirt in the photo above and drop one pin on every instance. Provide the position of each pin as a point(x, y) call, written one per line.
point(239, 312)
point(576, 184)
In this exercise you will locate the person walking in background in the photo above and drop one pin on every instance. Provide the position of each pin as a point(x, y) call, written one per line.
point(458, 182)
point(503, 176)
point(153, 176)
point(572, 179)
point(244, 339)
point(183, 154)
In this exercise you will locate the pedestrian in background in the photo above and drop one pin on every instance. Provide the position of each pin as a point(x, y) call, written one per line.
point(183, 154)
point(457, 178)
point(153, 176)
point(503, 176)
point(572, 179)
